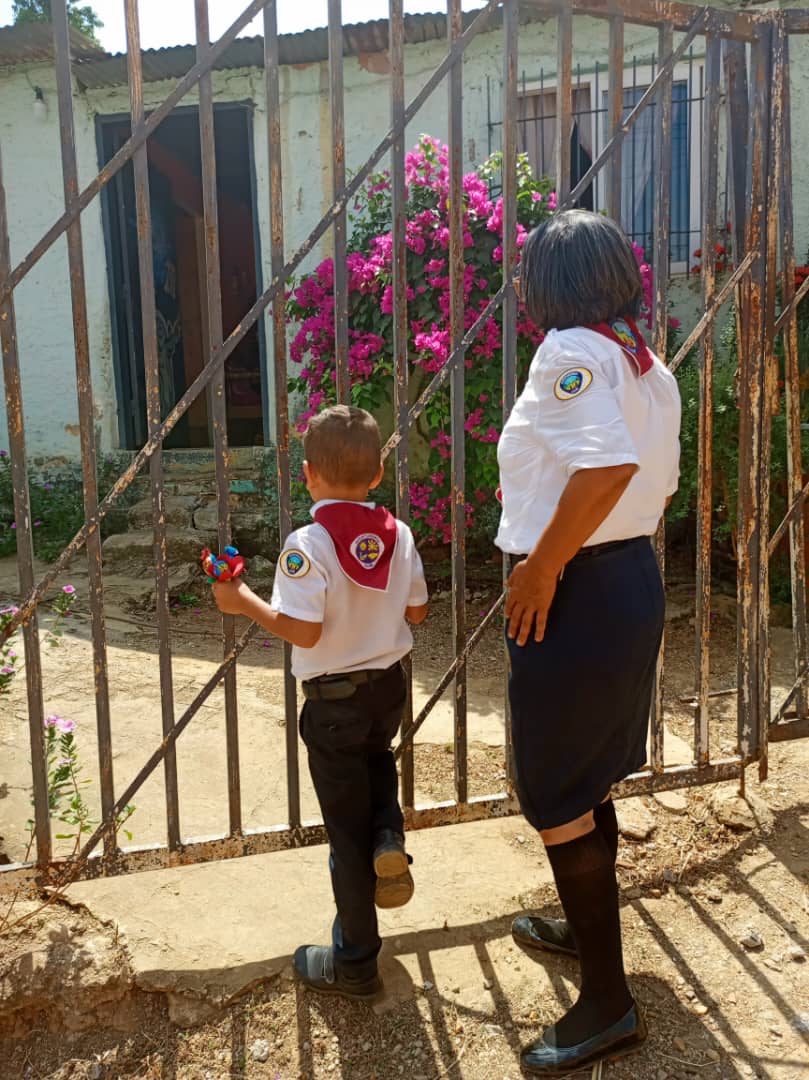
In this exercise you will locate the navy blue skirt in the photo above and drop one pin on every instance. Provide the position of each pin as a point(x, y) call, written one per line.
point(580, 698)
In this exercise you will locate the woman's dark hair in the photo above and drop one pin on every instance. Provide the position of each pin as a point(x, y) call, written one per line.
point(577, 269)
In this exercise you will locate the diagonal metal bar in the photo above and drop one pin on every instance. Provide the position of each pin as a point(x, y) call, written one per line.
point(238, 334)
point(791, 307)
point(701, 22)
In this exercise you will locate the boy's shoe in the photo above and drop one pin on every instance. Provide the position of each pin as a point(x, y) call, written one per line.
point(394, 882)
point(314, 967)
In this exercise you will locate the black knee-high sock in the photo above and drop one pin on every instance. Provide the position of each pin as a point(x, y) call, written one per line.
point(584, 871)
point(607, 825)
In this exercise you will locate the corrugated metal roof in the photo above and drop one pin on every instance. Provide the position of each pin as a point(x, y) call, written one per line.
point(32, 42)
point(307, 47)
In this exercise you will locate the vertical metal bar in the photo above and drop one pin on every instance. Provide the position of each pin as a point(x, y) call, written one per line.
point(84, 384)
point(542, 168)
point(140, 165)
point(217, 402)
point(662, 160)
point(775, 37)
point(25, 544)
point(616, 112)
point(457, 405)
point(564, 102)
point(710, 188)
point(751, 408)
point(401, 387)
point(279, 338)
point(337, 102)
point(135, 419)
point(797, 530)
point(734, 57)
point(510, 52)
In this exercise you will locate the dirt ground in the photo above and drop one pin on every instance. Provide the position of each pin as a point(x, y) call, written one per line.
point(720, 1002)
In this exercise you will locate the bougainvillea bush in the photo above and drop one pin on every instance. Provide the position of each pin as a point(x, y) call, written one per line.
point(310, 303)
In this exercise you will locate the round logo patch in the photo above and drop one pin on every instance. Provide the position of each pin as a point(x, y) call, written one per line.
point(367, 550)
point(571, 383)
point(624, 334)
point(294, 563)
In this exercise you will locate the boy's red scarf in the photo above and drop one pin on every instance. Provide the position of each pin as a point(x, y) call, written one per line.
point(364, 541)
point(625, 334)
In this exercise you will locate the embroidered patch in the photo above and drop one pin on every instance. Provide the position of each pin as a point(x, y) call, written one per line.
point(571, 383)
point(367, 550)
point(624, 333)
point(294, 563)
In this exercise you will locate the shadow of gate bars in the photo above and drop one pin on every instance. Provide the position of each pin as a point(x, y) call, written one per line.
point(746, 91)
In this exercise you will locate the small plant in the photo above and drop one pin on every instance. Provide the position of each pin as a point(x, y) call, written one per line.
point(63, 609)
point(8, 651)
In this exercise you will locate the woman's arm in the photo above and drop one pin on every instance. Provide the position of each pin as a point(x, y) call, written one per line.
point(236, 598)
point(585, 503)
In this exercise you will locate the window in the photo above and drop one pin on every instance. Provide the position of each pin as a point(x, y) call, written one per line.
point(537, 135)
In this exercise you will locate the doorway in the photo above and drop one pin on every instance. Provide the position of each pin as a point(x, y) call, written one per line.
point(175, 181)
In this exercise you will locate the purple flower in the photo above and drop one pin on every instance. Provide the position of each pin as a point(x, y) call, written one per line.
point(66, 726)
point(14, 525)
point(47, 487)
point(197, 610)
point(52, 721)
point(3, 453)
point(266, 643)
point(37, 524)
point(7, 671)
point(68, 590)
point(12, 654)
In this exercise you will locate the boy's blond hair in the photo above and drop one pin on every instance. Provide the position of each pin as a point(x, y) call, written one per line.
point(344, 445)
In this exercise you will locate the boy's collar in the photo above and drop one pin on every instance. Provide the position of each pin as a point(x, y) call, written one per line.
point(351, 502)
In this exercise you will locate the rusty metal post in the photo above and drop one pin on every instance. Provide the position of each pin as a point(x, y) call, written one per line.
point(457, 403)
point(216, 399)
point(338, 173)
point(279, 353)
point(615, 97)
point(509, 388)
point(797, 530)
point(710, 190)
point(401, 382)
point(564, 99)
point(84, 385)
point(151, 366)
point(25, 546)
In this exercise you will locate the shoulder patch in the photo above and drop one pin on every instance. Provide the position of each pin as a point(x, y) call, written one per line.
point(571, 383)
point(294, 563)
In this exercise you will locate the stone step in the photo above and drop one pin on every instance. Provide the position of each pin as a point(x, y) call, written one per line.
point(179, 512)
point(136, 548)
point(253, 533)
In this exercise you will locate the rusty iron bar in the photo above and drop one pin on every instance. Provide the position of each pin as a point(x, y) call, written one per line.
point(795, 729)
point(401, 382)
point(790, 308)
point(457, 402)
point(216, 396)
point(734, 56)
point(797, 21)
point(751, 406)
point(338, 177)
point(140, 165)
point(276, 287)
point(797, 531)
point(709, 317)
point(797, 686)
point(705, 19)
point(509, 378)
point(279, 352)
point(84, 388)
point(615, 97)
point(710, 193)
point(457, 665)
point(660, 263)
point(126, 151)
point(564, 100)
point(741, 25)
point(15, 417)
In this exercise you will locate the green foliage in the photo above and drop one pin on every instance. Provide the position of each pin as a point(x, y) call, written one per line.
point(81, 17)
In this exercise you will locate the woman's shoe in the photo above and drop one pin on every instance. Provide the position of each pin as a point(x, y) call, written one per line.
point(543, 935)
point(544, 1058)
point(314, 967)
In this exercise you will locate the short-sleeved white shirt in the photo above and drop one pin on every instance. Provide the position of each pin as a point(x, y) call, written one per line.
point(584, 406)
point(362, 628)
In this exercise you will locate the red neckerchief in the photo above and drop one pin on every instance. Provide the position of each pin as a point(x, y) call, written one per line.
point(364, 541)
point(625, 334)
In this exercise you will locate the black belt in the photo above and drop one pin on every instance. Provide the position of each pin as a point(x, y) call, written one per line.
point(342, 684)
point(593, 550)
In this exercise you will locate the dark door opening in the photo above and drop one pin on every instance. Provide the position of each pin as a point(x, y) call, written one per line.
point(175, 179)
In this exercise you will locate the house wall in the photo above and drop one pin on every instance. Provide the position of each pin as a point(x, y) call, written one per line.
point(33, 184)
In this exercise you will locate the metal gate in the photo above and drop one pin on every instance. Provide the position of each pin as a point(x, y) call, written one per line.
point(746, 91)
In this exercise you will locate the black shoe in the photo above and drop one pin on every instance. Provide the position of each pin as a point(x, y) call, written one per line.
point(314, 967)
point(394, 882)
point(544, 1058)
point(546, 935)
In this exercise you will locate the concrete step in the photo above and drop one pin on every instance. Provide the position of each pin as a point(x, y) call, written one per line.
point(136, 548)
point(179, 512)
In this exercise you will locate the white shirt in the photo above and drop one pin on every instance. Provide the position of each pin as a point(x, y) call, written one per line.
point(362, 628)
point(585, 407)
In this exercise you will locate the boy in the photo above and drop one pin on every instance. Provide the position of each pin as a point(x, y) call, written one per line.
point(344, 587)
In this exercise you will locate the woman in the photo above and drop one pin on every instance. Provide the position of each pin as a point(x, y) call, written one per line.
point(589, 459)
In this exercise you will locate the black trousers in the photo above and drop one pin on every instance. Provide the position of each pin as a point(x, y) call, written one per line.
point(354, 775)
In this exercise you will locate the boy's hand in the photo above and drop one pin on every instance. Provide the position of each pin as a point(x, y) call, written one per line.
point(230, 596)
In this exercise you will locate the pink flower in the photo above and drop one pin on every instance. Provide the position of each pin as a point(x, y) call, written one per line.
point(68, 590)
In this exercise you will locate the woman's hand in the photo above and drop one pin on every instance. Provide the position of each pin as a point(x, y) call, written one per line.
point(231, 596)
point(529, 599)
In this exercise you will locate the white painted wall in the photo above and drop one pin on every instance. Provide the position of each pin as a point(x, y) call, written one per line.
point(33, 183)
